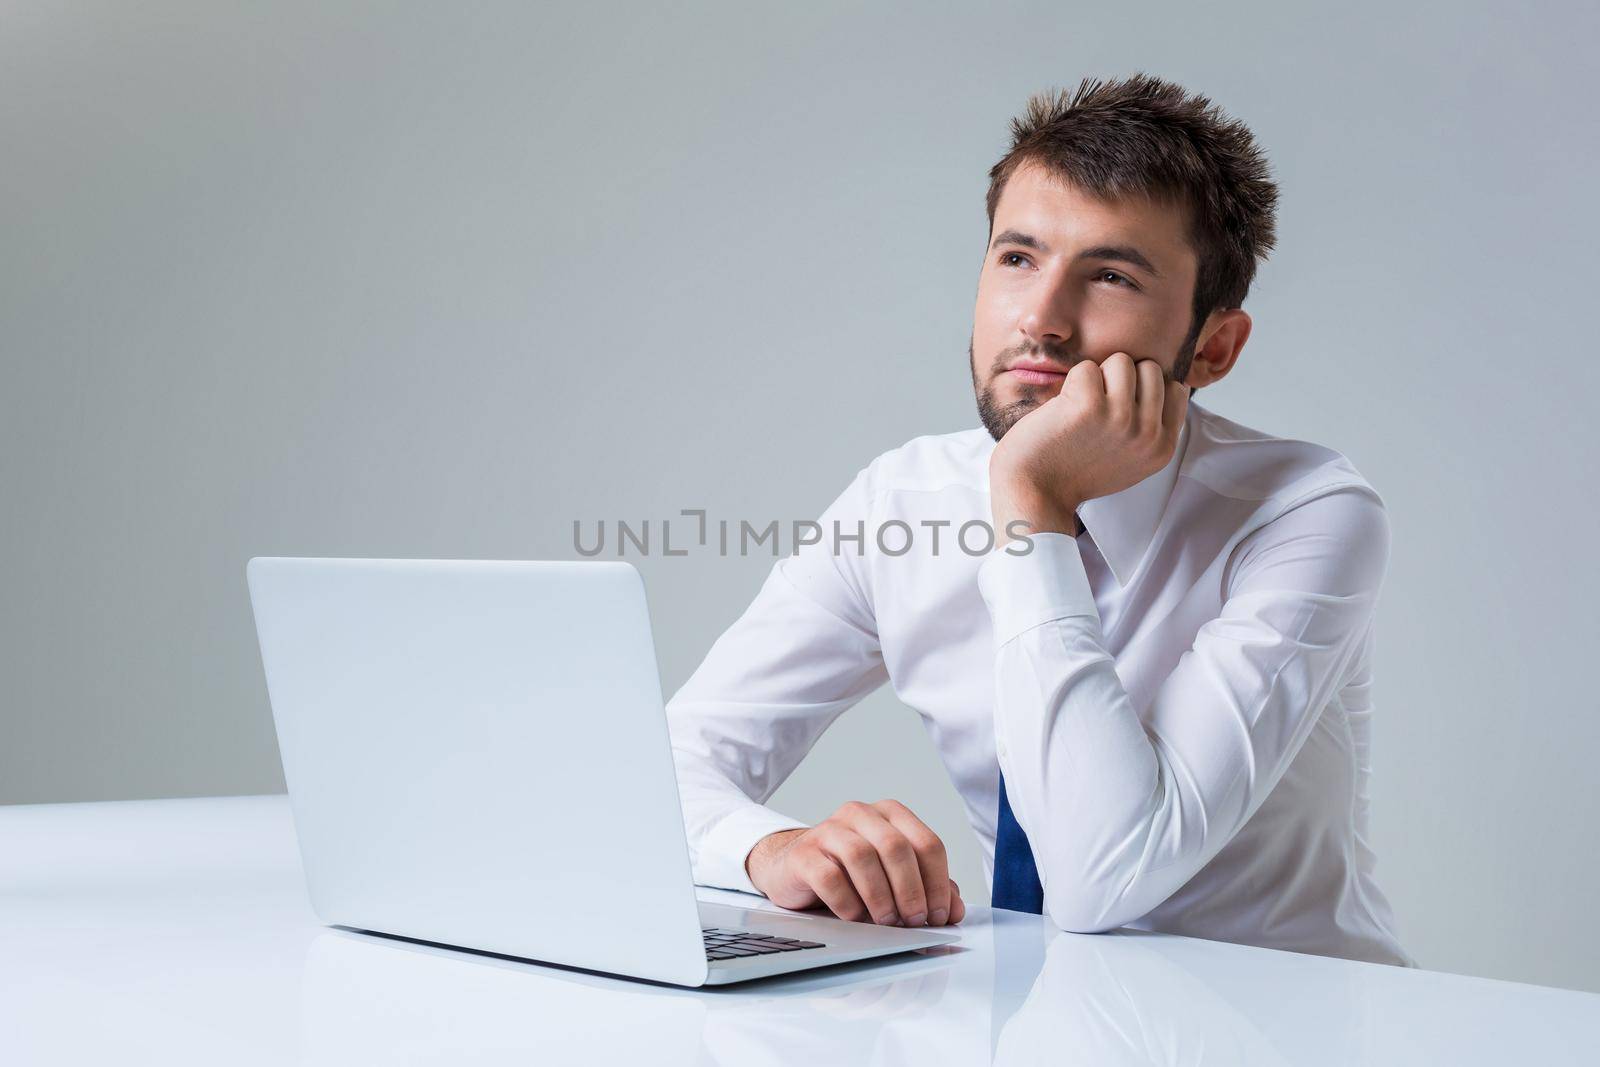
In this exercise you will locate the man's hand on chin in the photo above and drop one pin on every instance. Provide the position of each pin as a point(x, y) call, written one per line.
point(1112, 425)
point(874, 863)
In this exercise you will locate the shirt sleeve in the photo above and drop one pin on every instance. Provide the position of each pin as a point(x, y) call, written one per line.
point(803, 652)
point(1122, 808)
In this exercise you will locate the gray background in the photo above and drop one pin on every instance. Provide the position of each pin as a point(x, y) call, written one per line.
point(412, 281)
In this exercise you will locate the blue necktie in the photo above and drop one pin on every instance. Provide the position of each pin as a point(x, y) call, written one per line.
point(1016, 877)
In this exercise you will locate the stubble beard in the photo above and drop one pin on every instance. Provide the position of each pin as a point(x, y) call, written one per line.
point(998, 418)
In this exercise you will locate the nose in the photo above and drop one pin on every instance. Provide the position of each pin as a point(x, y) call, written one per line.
point(1048, 313)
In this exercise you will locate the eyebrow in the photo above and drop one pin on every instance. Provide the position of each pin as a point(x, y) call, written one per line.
point(1119, 253)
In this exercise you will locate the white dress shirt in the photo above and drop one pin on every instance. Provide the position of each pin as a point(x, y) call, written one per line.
point(1180, 696)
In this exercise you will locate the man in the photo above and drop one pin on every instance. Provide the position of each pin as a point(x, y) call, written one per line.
point(1153, 690)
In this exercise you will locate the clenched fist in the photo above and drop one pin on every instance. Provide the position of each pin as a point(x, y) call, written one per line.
point(866, 862)
point(1112, 425)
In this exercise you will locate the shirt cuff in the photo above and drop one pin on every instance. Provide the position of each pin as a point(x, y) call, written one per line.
point(725, 847)
point(1039, 586)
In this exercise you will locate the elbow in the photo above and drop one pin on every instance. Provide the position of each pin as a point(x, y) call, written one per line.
point(1081, 922)
point(1080, 908)
point(1079, 926)
point(1100, 878)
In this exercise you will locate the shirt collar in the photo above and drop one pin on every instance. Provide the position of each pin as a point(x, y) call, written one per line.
point(1124, 523)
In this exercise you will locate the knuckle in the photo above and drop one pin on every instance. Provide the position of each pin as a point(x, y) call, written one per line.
point(915, 898)
point(808, 865)
point(898, 850)
point(857, 850)
point(818, 868)
point(878, 899)
point(832, 883)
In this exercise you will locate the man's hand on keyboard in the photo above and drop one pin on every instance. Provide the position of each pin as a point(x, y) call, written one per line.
point(874, 863)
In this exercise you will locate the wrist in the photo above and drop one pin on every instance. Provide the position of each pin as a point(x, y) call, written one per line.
point(1013, 502)
point(765, 851)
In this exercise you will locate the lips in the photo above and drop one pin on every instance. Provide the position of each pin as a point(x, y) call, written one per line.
point(1038, 373)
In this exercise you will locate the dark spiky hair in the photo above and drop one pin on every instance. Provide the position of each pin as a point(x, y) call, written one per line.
point(1145, 136)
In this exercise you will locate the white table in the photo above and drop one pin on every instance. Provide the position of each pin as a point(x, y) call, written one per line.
point(177, 931)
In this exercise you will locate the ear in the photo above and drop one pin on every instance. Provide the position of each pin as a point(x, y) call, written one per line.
point(1219, 344)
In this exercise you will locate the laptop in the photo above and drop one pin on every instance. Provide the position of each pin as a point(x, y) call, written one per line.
point(477, 757)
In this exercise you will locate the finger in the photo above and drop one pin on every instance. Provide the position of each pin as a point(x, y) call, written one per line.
point(831, 883)
point(900, 863)
point(958, 907)
point(1122, 387)
point(932, 860)
point(1085, 382)
point(860, 860)
point(1152, 398)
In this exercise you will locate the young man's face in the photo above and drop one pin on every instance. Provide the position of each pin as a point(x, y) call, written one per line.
point(1068, 278)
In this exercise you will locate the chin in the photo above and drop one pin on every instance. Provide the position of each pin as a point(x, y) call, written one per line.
point(1000, 411)
point(1028, 397)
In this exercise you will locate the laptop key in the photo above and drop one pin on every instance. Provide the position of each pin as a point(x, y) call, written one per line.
point(733, 951)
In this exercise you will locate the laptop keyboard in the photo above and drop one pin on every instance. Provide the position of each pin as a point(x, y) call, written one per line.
point(731, 944)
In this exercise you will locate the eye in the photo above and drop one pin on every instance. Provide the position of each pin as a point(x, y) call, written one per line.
point(1120, 280)
point(1006, 256)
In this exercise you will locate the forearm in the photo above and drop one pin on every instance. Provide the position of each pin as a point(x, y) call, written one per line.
point(1101, 811)
point(787, 667)
point(1082, 775)
point(721, 819)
